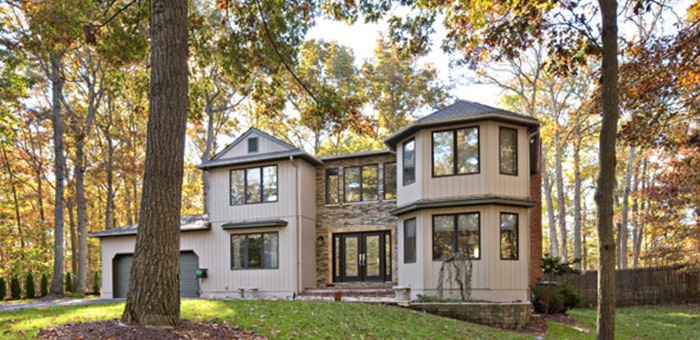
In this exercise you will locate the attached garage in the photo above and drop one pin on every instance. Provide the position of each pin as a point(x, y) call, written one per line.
point(189, 262)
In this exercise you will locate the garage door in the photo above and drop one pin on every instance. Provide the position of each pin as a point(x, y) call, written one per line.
point(189, 262)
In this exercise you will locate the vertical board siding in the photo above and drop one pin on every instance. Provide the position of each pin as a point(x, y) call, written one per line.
point(264, 146)
point(492, 278)
point(412, 192)
point(489, 180)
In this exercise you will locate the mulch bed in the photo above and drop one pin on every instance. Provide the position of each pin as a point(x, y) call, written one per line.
point(113, 329)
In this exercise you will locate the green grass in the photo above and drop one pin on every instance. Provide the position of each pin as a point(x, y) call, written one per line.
point(298, 319)
point(641, 322)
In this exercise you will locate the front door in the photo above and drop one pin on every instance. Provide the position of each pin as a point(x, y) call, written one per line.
point(362, 256)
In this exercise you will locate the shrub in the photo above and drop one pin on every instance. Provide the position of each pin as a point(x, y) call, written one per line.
point(555, 298)
point(96, 283)
point(44, 285)
point(15, 288)
point(3, 288)
point(29, 286)
point(69, 283)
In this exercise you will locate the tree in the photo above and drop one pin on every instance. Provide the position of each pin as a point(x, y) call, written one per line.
point(153, 296)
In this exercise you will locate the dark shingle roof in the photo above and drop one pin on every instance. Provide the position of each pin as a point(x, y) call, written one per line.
point(187, 223)
point(461, 111)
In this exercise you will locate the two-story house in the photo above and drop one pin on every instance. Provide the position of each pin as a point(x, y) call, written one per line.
point(281, 220)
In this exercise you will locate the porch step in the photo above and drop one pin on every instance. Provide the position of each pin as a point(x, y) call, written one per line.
point(351, 291)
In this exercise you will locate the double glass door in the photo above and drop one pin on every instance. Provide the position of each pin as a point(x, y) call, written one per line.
point(362, 256)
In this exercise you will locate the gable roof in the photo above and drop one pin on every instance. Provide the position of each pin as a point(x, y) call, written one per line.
point(288, 150)
point(460, 112)
point(187, 223)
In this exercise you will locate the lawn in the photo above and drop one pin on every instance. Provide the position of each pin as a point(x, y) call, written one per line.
point(298, 319)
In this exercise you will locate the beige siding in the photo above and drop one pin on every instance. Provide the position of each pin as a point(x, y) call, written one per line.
point(493, 279)
point(308, 189)
point(412, 192)
point(264, 146)
point(411, 274)
point(488, 181)
point(308, 254)
point(222, 211)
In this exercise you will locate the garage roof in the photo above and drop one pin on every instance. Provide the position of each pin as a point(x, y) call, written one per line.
point(187, 223)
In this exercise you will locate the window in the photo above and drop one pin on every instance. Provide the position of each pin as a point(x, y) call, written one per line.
point(456, 152)
point(458, 232)
point(332, 186)
point(409, 162)
point(253, 185)
point(508, 151)
point(252, 144)
point(409, 241)
point(361, 183)
point(250, 251)
point(509, 236)
point(389, 181)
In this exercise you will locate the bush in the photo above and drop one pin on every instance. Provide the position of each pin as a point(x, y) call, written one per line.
point(555, 298)
point(29, 286)
point(96, 283)
point(69, 283)
point(3, 288)
point(15, 288)
point(44, 285)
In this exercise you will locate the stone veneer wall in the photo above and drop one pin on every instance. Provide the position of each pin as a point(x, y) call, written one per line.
point(351, 217)
point(506, 315)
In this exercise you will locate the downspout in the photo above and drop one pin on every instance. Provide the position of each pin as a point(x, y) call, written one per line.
point(297, 233)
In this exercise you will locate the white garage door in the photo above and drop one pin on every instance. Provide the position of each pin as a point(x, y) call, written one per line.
point(189, 262)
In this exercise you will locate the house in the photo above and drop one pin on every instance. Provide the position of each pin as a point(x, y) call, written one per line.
point(282, 221)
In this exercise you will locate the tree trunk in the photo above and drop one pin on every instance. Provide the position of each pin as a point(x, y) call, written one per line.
point(73, 232)
point(57, 92)
point(561, 198)
point(81, 274)
point(606, 176)
point(153, 297)
point(638, 232)
point(553, 244)
point(209, 144)
point(623, 233)
point(577, 198)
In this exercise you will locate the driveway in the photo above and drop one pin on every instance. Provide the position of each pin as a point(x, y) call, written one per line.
point(59, 302)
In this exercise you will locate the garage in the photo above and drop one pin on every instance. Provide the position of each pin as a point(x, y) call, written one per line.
point(189, 262)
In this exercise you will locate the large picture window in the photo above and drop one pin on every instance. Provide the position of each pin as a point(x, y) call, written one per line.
point(456, 152)
point(409, 162)
point(409, 241)
point(253, 185)
point(456, 232)
point(360, 183)
point(509, 236)
point(508, 151)
point(389, 181)
point(255, 251)
point(332, 186)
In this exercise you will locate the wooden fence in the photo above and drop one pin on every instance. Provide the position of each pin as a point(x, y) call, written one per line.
point(643, 286)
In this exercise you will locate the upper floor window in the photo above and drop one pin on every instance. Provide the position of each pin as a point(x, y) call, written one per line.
point(509, 236)
point(389, 181)
point(457, 232)
point(251, 251)
point(361, 183)
point(456, 152)
point(253, 185)
point(332, 186)
point(252, 144)
point(508, 151)
point(409, 162)
point(409, 241)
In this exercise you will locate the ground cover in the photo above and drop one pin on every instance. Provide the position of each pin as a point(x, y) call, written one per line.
point(304, 319)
